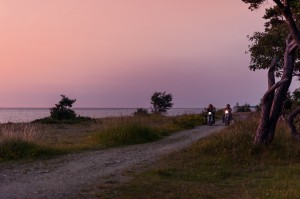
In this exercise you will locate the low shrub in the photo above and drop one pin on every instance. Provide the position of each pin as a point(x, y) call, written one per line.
point(243, 108)
point(77, 119)
point(141, 112)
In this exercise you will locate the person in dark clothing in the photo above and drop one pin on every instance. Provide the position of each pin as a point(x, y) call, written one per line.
point(211, 109)
point(227, 108)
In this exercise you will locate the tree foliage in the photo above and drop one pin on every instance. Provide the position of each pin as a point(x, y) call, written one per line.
point(62, 110)
point(161, 102)
point(272, 42)
point(292, 101)
point(275, 49)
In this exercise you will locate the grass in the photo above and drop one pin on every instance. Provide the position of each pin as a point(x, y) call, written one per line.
point(25, 132)
point(16, 149)
point(136, 130)
point(223, 165)
point(126, 131)
point(40, 140)
point(189, 121)
point(17, 141)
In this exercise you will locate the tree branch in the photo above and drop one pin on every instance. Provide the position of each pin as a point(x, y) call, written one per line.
point(272, 67)
point(273, 88)
point(296, 74)
point(286, 11)
point(291, 44)
point(279, 4)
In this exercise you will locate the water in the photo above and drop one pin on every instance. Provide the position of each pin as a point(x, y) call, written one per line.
point(30, 114)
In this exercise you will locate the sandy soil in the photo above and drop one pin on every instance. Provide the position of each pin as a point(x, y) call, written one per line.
point(75, 176)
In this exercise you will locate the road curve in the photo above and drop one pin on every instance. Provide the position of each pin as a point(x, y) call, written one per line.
point(66, 176)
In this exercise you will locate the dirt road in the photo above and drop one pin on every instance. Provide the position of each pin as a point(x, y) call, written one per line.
point(68, 176)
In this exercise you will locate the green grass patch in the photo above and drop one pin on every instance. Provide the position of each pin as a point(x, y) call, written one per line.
point(139, 129)
point(223, 165)
point(126, 131)
point(189, 121)
point(15, 149)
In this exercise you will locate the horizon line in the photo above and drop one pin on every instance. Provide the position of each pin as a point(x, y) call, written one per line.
point(94, 107)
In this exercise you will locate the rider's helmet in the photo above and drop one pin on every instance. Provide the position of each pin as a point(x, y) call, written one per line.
point(228, 106)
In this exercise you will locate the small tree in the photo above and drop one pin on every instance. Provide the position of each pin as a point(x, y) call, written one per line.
point(161, 102)
point(237, 106)
point(244, 108)
point(62, 110)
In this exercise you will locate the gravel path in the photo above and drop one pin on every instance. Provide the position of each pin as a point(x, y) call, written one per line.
point(68, 176)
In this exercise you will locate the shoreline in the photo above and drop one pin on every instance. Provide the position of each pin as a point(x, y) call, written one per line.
point(27, 115)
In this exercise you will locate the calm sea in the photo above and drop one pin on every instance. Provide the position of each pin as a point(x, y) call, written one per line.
point(30, 114)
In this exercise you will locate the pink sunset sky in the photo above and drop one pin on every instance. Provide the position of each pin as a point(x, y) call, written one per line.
point(117, 53)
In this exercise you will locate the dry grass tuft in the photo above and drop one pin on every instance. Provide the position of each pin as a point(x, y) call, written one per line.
point(24, 132)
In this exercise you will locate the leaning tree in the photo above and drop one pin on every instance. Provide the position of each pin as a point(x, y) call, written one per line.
point(275, 49)
point(161, 102)
point(62, 110)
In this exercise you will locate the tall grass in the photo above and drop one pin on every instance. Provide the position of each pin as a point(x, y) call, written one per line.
point(24, 132)
point(223, 165)
point(189, 121)
point(233, 143)
point(31, 141)
point(139, 129)
point(125, 131)
point(19, 141)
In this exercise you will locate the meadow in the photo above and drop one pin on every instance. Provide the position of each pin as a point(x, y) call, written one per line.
point(31, 141)
point(222, 165)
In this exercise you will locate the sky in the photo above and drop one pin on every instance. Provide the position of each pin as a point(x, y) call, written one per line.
point(117, 53)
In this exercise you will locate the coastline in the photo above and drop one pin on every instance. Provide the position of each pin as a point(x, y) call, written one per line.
point(25, 115)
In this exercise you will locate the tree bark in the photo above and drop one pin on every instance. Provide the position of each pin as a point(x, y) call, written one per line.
point(281, 92)
point(267, 100)
point(274, 98)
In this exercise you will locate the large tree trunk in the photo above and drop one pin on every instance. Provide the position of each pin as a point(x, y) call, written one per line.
point(286, 11)
point(266, 104)
point(274, 98)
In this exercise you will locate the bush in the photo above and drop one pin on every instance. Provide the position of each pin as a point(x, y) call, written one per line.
point(78, 119)
point(244, 108)
point(141, 112)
